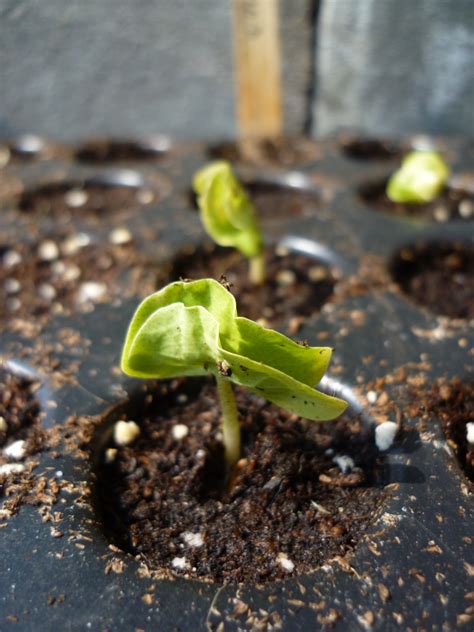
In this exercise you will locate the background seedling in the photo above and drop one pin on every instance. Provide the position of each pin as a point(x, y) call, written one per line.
point(192, 329)
point(420, 179)
point(228, 215)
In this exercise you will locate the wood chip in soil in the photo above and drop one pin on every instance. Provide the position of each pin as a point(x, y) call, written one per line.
point(288, 511)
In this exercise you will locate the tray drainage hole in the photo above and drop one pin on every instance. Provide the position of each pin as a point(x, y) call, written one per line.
point(439, 276)
point(90, 198)
point(281, 152)
point(275, 201)
point(159, 496)
point(21, 433)
point(103, 151)
point(67, 272)
point(297, 285)
point(370, 149)
point(453, 203)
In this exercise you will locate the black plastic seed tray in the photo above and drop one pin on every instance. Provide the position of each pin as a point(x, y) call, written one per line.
point(413, 568)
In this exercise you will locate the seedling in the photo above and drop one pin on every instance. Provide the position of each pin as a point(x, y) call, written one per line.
point(192, 329)
point(228, 215)
point(420, 179)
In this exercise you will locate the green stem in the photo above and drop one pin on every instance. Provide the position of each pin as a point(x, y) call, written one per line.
point(230, 421)
point(257, 269)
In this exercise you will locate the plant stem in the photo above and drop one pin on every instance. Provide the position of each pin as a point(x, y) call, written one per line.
point(257, 269)
point(230, 421)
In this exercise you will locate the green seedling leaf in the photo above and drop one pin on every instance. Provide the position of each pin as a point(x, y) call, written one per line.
point(193, 329)
point(420, 179)
point(228, 215)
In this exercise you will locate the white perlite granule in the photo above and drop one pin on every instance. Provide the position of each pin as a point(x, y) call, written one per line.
point(71, 245)
point(15, 450)
point(371, 397)
point(120, 236)
point(125, 432)
point(193, 540)
point(345, 463)
point(12, 468)
point(110, 455)
point(179, 431)
point(48, 250)
point(385, 434)
point(179, 563)
point(76, 198)
point(11, 258)
point(470, 432)
point(285, 562)
point(90, 291)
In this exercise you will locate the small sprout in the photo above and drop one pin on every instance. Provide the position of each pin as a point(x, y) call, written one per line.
point(420, 179)
point(228, 215)
point(192, 329)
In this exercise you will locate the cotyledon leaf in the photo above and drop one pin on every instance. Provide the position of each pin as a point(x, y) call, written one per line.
point(420, 179)
point(193, 329)
point(227, 213)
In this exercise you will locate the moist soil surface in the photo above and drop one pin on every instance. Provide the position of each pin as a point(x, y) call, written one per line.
point(65, 199)
point(453, 404)
point(295, 286)
point(287, 509)
point(69, 273)
point(281, 152)
point(452, 204)
point(438, 276)
point(101, 151)
point(370, 149)
point(275, 201)
point(19, 421)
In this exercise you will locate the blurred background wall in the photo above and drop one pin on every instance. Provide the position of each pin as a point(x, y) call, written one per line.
point(131, 67)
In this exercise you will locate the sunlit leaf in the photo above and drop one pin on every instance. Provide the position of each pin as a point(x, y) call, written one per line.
point(193, 329)
point(420, 179)
point(227, 213)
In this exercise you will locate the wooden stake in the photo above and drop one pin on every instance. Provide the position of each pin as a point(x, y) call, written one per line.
point(257, 61)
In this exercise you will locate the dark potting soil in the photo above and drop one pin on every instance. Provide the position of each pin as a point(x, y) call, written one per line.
point(439, 276)
point(66, 198)
point(19, 421)
point(295, 286)
point(453, 404)
point(370, 148)
point(106, 150)
point(452, 204)
point(275, 201)
point(289, 507)
point(62, 274)
point(281, 152)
